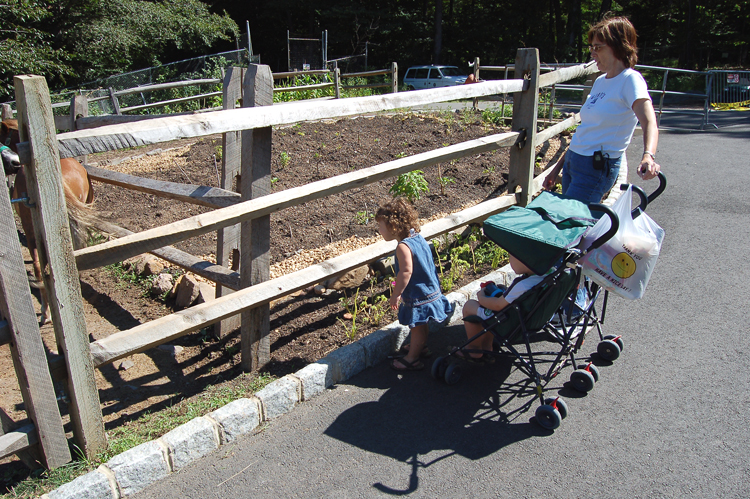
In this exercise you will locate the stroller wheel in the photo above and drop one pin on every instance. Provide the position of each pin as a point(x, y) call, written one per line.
point(582, 380)
point(453, 373)
point(559, 404)
point(616, 339)
point(593, 370)
point(608, 350)
point(438, 368)
point(548, 417)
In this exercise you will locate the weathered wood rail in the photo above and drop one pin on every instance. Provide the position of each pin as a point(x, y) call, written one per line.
point(241, 218)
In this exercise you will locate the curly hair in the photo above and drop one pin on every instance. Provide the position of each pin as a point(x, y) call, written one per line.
point(400, 216)
point(619, 34)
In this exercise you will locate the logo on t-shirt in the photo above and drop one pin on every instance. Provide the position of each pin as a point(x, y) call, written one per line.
point(595, 97)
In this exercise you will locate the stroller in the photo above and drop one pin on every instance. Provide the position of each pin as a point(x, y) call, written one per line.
point(544, 236)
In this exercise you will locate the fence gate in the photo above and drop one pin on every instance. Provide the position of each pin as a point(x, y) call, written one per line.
point(730, 87)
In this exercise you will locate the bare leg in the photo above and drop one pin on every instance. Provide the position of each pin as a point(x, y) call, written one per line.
point(418, 340)
point(484, 342)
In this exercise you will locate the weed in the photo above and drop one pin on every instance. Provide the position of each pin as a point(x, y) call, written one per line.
point(411, 185)
point(363, 217)
point(353, 309)
point(273, 181)
point(401, 155)
point(284, 159)
point(444, 182)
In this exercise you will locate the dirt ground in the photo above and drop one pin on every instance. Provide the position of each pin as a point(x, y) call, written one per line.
point(305, 327)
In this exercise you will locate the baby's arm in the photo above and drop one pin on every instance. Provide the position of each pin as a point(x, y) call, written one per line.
point(405, 269)
point(496, 303)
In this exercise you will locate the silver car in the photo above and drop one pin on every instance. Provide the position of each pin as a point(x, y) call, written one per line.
point(417, 77)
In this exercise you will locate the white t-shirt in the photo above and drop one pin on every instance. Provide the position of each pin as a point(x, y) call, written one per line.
point(607, 117)
point(516, 289)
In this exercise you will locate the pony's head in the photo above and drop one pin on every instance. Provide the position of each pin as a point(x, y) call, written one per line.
point(9, 134)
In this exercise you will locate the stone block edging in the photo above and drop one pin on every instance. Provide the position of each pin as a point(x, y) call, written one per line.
point(139, 467)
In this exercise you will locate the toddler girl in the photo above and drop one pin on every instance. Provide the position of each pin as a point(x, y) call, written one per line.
point(417, 284)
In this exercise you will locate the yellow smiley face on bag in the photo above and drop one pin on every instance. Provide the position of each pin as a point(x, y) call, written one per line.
point(623, 265)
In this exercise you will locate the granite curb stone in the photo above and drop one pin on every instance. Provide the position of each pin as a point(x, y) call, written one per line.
point(237, 418)
point(92, 485)
point(191, 441)
point(135, 469)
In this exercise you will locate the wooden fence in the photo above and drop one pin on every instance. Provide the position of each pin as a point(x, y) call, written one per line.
point(242, 219)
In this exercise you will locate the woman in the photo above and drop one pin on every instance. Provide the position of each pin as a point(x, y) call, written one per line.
point(618, 100)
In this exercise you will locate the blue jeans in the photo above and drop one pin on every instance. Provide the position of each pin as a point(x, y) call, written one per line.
point(580, 181)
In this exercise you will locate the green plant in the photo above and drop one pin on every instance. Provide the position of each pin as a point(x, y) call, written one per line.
point(363, 217)
point(444, 182)
point(284, 159)
point(401, 155)
point(273, 181)
point(411, 185)
point(353, 309)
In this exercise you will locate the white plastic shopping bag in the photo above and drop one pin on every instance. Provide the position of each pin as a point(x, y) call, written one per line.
point(624, 264)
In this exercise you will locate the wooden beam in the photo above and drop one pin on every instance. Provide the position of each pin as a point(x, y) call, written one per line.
point(166, 86)
point(553, 131)
point(170, 327)
point(525, 108)
point(168, 102)
point(27, 349)
point(202, 195)
point(255, 234)
point(143, 242)
point(365, 74)
point(18, 440)
point(159, 130)
point(303, 87)
point(566, 74)
point(117, 119)
point(52, 232)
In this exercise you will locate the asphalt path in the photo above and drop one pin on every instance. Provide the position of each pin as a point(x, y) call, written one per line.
point(669, 418)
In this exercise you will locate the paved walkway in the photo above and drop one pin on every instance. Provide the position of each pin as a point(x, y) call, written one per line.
point(670, 418)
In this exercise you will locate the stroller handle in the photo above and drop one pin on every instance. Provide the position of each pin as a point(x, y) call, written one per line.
point(646, 199)
point(660, 189)
point(614, 225)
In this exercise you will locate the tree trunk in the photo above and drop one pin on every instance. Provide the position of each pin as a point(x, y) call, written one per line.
point(438, 31)
point(606, 7)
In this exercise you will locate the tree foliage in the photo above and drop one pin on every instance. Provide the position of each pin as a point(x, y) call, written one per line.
point(71, 41)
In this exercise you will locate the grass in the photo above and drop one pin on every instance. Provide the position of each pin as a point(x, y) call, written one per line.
point(133, 433)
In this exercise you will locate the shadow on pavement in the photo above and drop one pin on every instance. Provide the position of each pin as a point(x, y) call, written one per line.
point(421, 421)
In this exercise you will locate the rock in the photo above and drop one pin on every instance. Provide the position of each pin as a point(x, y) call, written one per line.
point(146, 265)
point(319, 289)
point(186, 291)
point(384, 266)
point(162, 284)
point(206, 292)
point(347, 316)
point(125, 365)
point(351, 279)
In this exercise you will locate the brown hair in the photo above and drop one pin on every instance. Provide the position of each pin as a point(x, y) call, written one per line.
point(400, 216)
point(619, 34)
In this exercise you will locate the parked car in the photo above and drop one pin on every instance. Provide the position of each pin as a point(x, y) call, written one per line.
point(417, 77)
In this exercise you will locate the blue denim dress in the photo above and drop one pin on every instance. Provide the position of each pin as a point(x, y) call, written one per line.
point(422, 299)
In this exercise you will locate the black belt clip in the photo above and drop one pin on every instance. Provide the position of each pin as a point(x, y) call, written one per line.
point(600, 160)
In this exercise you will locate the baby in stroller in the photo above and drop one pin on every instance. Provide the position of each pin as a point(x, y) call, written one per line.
point(491, 299)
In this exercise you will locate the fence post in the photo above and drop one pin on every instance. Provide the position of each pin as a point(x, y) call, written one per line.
point(7, 112)
point(79, 108)
point(51, 229)
point(475, 102)
point(255, 257)
point(115, 101)
point(228, 238)
point(394, 77)
point(27, 349)
point(337, 82)
point(525, 105)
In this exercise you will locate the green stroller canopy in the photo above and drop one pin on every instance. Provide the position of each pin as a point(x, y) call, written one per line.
point(539, 234)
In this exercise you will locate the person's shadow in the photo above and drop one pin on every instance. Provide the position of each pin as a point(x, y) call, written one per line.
point(489, 408)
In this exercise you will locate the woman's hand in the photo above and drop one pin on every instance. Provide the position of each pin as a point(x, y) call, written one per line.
point(648, 168)
point(552, 179)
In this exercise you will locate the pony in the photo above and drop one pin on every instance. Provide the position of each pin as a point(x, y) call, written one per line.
point(79, 196)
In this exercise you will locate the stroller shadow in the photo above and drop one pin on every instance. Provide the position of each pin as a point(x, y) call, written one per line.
point(419, 416)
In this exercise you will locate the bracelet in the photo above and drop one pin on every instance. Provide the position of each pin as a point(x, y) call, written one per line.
point(650, 154)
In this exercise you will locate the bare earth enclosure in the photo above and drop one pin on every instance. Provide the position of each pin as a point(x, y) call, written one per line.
point(305, 327)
